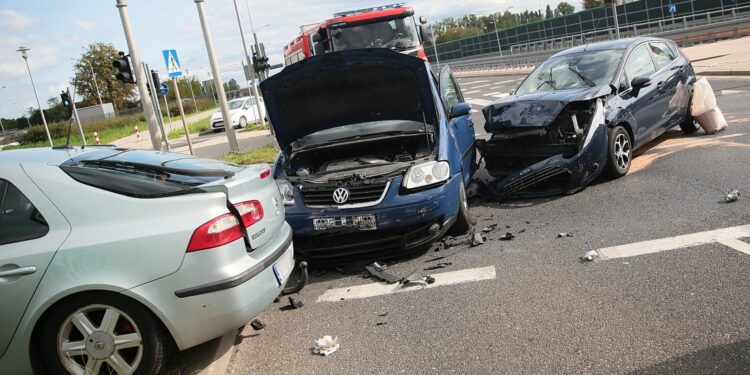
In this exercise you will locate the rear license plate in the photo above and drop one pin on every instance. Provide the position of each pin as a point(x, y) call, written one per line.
point(361, 222)
point(283, 268)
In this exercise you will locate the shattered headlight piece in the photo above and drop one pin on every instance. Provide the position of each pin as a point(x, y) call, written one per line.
point(287, 192)
point(426, 174)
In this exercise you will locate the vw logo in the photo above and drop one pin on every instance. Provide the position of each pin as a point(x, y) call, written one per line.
point(341, 195)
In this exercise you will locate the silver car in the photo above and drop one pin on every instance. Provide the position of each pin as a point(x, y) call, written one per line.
point(110, 257)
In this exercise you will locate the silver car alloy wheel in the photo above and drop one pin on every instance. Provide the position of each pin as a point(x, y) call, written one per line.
point(243, 122)
point(622, 151)
point(99, 338)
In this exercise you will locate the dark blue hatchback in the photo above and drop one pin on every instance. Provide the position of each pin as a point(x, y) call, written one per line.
point(376, 154)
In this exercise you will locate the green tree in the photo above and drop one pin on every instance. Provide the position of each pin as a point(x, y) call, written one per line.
point(98, 57)
point(548, 12)
point(184, 84)
point(563, 9)
point(588, 4)
point(231, 85)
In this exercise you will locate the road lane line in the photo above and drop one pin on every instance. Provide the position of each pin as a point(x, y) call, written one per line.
point(472, 92)
point(492, 93)
point(379, 289)
point(510, 80)
point(479, 102)
point(476, 87)
point(473, 82)
point(672, 243)
point(736, 244)
point(501, 95)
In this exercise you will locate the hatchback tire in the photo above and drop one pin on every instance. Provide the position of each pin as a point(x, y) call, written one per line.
point(464, 220)
point(619, 153)
point(688, 125)
point(81, 336)
point(243, 122)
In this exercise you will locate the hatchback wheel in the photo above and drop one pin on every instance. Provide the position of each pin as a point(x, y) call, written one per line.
point(620, 152)
point(101, 334)
point(243, 122)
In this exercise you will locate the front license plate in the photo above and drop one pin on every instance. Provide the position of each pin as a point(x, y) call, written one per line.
point(361, 222)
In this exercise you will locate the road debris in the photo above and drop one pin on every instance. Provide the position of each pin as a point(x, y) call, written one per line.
point(522, 230)
point(564, 234)
point(732, 196)
point(381, 323)
point(506, 237)
point(294, 304)
point(472, 190)
point(489, 228)
point(438, 266)
point(589, 256)
point(450, 241)
point(429, 279)
point(434, 259)
point(257, 324)
point(326, 345)
point(383, 314)
point(477, 239)
point(377, 270)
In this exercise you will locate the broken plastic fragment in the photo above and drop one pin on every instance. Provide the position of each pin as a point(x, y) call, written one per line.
point(507, 236)
point(732, 196)
point(326, 345)
point(257, 324)
point(378, 270)
point(489, 228)
point(294, 304)
point(563, 234)
point(438, 266)
point(589, 256)
point(477, 239)
point(429, 279)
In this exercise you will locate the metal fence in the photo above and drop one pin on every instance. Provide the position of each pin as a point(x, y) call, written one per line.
point(637, 18)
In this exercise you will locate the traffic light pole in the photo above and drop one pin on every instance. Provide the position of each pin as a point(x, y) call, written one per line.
point(140, 77)
point(218, 83)
point(182, 114)
point(157, 109)
point(253, 88)
point(75, 113)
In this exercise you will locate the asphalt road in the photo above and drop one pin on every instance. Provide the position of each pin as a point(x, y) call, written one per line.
point(537, 309)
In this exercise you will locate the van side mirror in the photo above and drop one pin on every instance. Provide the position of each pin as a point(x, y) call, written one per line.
point(423, 33)
point(423, 20)
point(460, 109)
point(637, 84)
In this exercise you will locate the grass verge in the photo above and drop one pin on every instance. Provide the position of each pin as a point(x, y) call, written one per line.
point(106, 136)
point(265, 154)
point(194, 128)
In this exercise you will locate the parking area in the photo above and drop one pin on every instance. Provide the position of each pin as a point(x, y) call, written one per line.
point(528, 305)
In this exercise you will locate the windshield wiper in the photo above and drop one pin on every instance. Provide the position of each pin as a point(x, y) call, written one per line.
point(159, 168)
point(582, 77)
point(550, 82)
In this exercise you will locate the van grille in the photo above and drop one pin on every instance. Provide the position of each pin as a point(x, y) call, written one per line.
point(359, 192)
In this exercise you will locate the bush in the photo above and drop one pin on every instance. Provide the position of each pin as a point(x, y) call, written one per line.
point(60, 129)
point(203, 104)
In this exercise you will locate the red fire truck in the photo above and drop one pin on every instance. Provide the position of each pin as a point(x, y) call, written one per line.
point(389, 26)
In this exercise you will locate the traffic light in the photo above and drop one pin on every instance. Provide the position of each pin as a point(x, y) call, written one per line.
point(66, 102)
point(256, 67)
point(260, 63)
point(125, 73)
point(155, 77)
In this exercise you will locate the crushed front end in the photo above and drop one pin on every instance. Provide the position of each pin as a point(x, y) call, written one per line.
point(540, 148)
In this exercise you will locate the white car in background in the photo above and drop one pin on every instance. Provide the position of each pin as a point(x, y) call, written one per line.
point(243, 111)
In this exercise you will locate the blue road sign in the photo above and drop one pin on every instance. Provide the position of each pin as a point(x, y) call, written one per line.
point(163, 89)
point(172, 62)
point(672, 8)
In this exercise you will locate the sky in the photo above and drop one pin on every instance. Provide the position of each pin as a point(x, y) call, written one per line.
point(56, 32)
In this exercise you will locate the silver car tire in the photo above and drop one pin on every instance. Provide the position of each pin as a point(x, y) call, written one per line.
point(101, 334)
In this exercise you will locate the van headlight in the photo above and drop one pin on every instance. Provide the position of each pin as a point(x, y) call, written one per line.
point(287, 192)
point(426, 174)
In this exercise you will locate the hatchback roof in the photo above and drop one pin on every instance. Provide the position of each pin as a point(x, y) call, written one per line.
point(621, 44)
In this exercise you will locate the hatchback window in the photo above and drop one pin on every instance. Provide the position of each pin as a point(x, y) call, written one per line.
point(663, 55)
point(19, 219)
point(234, 104)
point(639, 64)
point(145, 174)
point(575, 71)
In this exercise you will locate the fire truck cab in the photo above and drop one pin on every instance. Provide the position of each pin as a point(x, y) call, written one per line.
point(389, 26)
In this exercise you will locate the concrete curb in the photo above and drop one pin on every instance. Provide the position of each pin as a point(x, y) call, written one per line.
point(724, 73)
point(222, 356)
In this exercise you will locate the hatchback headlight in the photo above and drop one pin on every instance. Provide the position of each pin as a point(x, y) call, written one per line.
point(287, 192)
point(426, 174)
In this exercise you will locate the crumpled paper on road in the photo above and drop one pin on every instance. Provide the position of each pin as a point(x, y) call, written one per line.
point(326, 345)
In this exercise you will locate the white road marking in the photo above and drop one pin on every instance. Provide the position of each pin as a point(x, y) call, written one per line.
point(492, 93)
point(485, 85)
point(736, 244)
point(472, 92)
point(479, 102)
point(677, 242)
point(501, 95)
point(510, 80)
point(379, 289)
point(730, 92)
point(473, 82)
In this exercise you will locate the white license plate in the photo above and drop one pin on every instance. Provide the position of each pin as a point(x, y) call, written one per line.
point(283, 268)
point(361, 222)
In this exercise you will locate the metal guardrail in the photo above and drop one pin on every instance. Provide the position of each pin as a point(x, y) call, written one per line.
point(528, 55)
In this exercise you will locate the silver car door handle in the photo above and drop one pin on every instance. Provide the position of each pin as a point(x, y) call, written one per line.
point(18, 271)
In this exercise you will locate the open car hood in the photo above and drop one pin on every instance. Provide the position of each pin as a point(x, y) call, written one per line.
point(347, 87)
point(536, 110)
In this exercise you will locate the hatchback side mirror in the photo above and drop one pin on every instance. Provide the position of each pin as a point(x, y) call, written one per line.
point(637, 84)
point(460, 109)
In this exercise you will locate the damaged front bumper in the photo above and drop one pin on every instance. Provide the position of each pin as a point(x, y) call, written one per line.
point(560, 174)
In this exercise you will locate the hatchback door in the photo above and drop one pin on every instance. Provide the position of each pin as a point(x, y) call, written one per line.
point(31, 231)
point(462, 126)
point(645, 106)
point(671, 85)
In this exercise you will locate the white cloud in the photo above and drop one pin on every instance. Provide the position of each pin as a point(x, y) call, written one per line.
point(16, 21)
point(85, 25)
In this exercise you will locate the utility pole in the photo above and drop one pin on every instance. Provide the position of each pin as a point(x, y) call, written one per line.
point(614, 14)
point(218, 82)
point(140, 77)
point(24, 54)
point(155, 105)
point(190, 80)
point(75, 112)
point(96, 85)
point(249, 63)
point(182, 114)
point(434, 45)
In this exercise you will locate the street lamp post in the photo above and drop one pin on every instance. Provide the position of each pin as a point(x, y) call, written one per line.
point(24, 54)
point(497, 32)
point(96, 85)
point(218, 83)
point(192, 93)
point(249, 64)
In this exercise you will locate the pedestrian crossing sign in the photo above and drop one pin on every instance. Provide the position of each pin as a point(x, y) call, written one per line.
point(173, 63)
